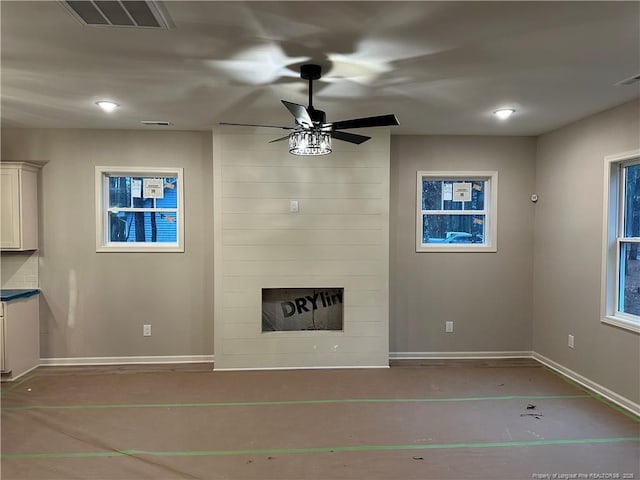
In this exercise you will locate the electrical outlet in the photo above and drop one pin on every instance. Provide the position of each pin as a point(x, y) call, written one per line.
point(448, 327)
point(146, 330)
point(570, 341)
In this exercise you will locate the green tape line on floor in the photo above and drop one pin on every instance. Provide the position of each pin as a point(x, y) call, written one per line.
point(295, 402)
point(285, 451)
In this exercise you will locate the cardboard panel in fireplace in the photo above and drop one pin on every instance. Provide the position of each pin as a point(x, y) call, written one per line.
point(294, 309)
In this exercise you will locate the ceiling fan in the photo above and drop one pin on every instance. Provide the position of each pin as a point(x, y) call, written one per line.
point(311, 134)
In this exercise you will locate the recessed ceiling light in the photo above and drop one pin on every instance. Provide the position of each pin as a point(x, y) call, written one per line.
point(504, 113)
point(107, 106)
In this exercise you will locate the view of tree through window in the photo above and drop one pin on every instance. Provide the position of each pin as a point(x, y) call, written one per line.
point(629, 275)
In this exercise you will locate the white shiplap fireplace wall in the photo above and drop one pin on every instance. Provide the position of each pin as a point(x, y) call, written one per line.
point(339, 238)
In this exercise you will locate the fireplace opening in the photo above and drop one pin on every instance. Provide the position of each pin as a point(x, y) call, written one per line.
point(297, 309)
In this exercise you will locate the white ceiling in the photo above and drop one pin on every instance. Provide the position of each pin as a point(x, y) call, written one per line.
point(441, 67)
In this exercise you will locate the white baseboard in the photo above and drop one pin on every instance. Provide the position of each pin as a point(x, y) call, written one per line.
point(94, 361)
point(593, 386)
point(13, 379)
point(335, 367)
point(458, 355)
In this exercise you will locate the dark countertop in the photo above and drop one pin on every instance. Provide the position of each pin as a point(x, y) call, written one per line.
point(6, 295)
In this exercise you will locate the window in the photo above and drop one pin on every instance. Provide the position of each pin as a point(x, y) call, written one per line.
point(139, 209)
point(621, 242)
point(456, 212)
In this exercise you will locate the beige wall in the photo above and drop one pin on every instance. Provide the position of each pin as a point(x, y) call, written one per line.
point(339, 238)
point(94, 304)
point(486, 295)
point(568, 250)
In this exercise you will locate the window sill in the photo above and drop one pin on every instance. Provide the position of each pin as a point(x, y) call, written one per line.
point(132, 249)
point(460, 249)
point(622, 323)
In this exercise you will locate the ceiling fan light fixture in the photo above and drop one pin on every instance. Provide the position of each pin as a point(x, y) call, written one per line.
point(311, 135)
point(107, 106)
point(309, 142)
point(504, 113)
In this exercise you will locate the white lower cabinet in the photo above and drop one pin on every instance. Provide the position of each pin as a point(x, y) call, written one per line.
point(20, 345)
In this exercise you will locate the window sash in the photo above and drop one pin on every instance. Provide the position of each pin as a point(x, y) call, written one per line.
point(454, 212)
point(622, 239)
point(485, 191)
point(489, 211)
point(622, 195)
point(619, 284)
point(136, 209)
point(103, 210)
point(614, 239)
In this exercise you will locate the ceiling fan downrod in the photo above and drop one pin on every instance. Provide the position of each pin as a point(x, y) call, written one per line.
point(312, 72)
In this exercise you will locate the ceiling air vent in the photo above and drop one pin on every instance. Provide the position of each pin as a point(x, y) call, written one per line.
point(132, 14)
point(156, 123)
point(628, 81)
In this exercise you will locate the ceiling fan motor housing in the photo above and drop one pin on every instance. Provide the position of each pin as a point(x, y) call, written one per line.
point(318, 116)
point(310, 71)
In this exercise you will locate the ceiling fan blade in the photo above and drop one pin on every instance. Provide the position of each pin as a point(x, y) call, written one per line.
point(349, 137)
point(253, 125)
point(279, 139)
point(377, 121)
point(299, 112)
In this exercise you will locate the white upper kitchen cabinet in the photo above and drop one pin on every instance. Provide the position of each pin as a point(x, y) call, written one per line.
point(18, 206)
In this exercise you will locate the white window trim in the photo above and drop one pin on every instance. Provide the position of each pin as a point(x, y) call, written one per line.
point(611, 243)
point(102, 199)
point(491, 209)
